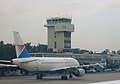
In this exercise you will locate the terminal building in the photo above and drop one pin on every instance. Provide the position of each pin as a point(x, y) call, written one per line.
point(59, 33)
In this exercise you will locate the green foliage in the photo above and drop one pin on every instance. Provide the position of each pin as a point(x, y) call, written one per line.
point(118, 52)
point(36, 49)
point(7, 51)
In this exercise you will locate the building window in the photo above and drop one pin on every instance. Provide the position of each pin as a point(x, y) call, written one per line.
point(55, 45)
point(55, 35)
point(58, 20)
point(67, 45)
point(67, 41)
point(67, 34)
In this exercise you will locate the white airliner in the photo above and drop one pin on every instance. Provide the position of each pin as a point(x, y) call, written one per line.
point(44, 66)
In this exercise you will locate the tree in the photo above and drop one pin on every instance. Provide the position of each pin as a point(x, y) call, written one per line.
point(106, 51)
point(91, 52)
point(118, 52)
point(29, 47)
point(114, 52)
point(1, 42)
point(7, 51)
point(1, 49)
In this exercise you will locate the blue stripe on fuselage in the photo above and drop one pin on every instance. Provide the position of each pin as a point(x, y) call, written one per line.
point(50, 72)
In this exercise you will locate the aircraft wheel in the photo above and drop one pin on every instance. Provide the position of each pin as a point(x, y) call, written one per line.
point(64, 78)
point(39, 77)
point(70, 76)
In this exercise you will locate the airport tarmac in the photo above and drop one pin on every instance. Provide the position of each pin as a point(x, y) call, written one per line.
point(88, 78)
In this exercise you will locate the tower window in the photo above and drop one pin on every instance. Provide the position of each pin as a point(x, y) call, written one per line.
point(55, 45)
point(67, 34)
point(55, 35)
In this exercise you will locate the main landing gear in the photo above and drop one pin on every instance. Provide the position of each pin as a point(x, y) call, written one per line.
point(39, 77)
point(70, 76)
point(64, 77)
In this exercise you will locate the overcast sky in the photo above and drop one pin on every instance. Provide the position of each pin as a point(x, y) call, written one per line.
point(97, 22)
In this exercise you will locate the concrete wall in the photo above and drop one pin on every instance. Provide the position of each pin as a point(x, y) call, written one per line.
point(51, 37)
point(64, 27)
point(60, 40)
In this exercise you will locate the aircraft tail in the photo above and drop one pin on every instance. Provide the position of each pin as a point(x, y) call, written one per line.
point(21, 51)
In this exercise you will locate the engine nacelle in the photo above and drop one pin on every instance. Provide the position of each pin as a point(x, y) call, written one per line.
point(79, 72)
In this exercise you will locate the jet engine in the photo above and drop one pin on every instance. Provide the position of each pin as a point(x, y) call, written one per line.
point(79, 72)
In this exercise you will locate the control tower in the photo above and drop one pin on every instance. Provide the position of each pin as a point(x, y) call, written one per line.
point(59, 33)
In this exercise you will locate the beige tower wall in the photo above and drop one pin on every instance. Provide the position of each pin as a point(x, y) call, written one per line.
point(64, 27)
point(60, 40)
point(51, 37)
